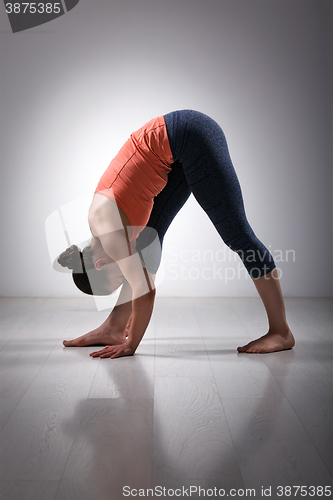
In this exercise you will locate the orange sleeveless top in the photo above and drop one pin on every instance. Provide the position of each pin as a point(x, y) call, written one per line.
point(138, 173)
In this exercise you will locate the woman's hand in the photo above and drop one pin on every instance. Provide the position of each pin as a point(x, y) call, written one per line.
point(113, 351)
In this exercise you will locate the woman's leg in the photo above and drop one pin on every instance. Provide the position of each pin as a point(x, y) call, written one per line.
point(279, 336)
point(198, 142)
point(166, 206)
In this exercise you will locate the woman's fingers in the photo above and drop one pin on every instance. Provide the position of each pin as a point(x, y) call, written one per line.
point(102, 351)
point(112, 352)
point(121, 350)
point(108, 353)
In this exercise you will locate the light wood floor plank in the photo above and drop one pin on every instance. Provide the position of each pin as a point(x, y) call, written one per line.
point(181, 358)
point(244, 376)
point(28, 490)
point(175, 318)
point(271, 444)
point(191, 436)
point(36, 440)
point(217, 318)
point(251, 314)
point(312, 400)
point(7, 406)
point(112, 449)
point(305, 323)
point(19, 365)
point(323, 351)
point(16, 314)
point(322, 308)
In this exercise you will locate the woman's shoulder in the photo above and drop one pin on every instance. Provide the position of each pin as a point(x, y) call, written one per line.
point(105, 216)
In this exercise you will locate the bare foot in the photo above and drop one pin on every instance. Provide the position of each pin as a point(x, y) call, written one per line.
point(103, 335)
point(271, 342)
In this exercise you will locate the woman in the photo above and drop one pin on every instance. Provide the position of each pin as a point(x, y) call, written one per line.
point(138, 196)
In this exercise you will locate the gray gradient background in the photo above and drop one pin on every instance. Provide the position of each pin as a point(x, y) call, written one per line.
point(73, 90)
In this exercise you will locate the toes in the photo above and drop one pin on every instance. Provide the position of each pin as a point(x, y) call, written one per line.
point(69, 343)
point(251, 350)
point(245, 348)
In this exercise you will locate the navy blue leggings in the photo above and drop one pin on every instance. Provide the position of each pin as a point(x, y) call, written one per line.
point(202, 166)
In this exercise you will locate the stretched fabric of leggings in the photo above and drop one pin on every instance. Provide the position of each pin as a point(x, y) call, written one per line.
point(166, 206)
point(203, 166)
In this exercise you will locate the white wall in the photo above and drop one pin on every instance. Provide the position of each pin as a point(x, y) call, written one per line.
point(73, 90)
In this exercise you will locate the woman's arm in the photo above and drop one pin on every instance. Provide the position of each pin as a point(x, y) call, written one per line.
point(141, 283)
point(122, 311)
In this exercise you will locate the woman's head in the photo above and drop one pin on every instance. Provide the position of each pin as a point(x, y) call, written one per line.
point(94, 272)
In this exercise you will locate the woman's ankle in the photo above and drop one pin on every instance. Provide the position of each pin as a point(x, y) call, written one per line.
point(281, 329)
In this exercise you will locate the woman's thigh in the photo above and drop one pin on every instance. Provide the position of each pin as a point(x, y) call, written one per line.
point(166, 206)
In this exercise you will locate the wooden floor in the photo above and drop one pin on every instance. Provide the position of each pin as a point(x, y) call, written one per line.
point(186, 411)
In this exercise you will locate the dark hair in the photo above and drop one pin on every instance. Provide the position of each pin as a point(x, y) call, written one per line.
point(80, 262)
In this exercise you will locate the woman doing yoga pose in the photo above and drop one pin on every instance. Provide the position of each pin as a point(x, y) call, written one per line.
point(137, 198)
